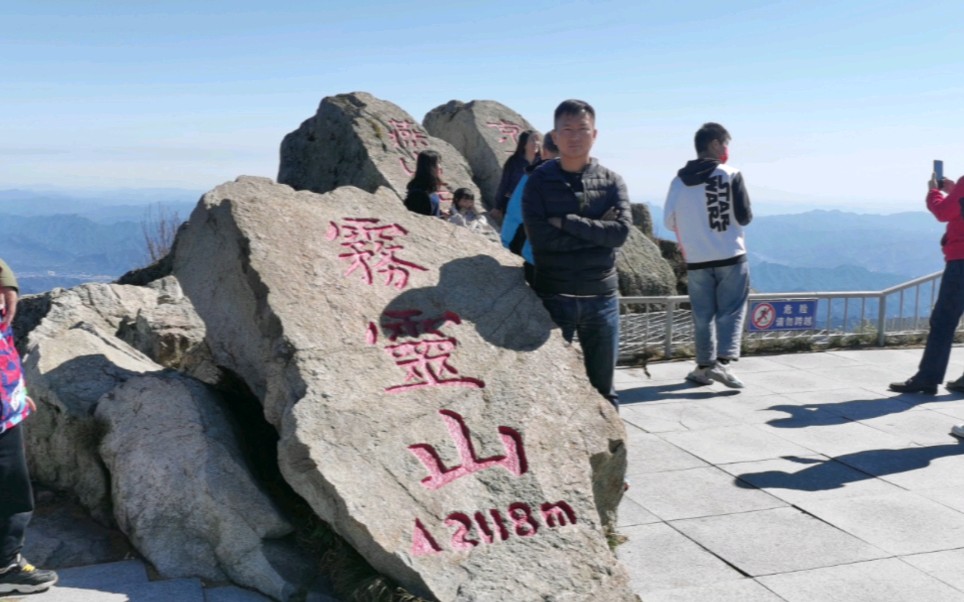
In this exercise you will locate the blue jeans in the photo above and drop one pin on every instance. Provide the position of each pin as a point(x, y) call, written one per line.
point(944, 318)
point(596, 321)
point(718, 296)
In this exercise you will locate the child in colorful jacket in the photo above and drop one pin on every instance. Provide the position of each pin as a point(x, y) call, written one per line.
point(16, 494)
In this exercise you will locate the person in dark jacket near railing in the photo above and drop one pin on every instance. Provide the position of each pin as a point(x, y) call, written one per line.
point(945, 200)
point(576, 214)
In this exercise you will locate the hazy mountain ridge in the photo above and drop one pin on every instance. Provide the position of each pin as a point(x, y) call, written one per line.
point(835, 250)
point(60, 239)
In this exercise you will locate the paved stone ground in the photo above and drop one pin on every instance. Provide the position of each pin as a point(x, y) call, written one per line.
point(814, 483)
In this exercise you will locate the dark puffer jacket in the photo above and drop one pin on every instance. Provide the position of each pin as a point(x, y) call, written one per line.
point(580, 257)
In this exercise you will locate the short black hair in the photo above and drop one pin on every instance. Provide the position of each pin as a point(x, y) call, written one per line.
point(549, 144)
point(708, 133)
point(574, 107)
point(462, 193)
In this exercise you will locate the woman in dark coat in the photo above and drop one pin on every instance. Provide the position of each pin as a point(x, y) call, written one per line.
point(526, 153)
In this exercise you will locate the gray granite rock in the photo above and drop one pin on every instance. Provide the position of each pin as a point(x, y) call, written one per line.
point(426, 408)
point(486, 132)
point(359, 140)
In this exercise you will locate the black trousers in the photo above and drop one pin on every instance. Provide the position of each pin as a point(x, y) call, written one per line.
point(16, 495)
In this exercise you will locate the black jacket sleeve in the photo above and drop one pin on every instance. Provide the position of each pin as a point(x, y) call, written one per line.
point(604, 233)
point(741, 201)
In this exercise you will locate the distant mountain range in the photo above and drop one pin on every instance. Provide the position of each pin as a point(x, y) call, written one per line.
point(825, 250)
point(62, 238)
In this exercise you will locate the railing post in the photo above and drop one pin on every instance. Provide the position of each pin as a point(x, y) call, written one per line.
point(882, 321)
point(668, 346)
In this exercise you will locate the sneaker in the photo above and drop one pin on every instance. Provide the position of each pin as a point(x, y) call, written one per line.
point(721, 373)
point(699, 376)
point(955, 385)
point(25, 578)
point(958, 431)
point(913, 386)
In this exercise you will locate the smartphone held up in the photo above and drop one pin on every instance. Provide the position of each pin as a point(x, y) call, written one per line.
point(939, 171)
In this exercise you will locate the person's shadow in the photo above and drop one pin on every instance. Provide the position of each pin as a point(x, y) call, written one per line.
point(674, 391)
point(476, 290)
point(836, 472)
point(812, 414)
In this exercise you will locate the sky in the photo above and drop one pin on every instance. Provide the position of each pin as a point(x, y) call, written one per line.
point(840, 104)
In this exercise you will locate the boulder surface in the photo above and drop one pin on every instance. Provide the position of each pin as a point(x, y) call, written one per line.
point(486, 132)
point(425, 406)
point(359, 140)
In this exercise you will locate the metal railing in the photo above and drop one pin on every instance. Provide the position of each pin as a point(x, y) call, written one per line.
point(648, 323)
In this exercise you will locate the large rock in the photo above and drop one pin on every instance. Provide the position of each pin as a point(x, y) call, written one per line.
point(138, 444)
point(425, 408)
point(486, 132)
point(359, 140)
point(72, 358)
point(181, 490)
point(642, 269)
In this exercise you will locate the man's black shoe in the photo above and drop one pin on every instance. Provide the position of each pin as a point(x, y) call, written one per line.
point(912, 386)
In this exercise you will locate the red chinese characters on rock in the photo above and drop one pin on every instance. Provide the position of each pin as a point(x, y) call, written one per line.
point(425, 359)
point(514, 459)
point(407, 135)
point(509, 132)
point(492, 525)
point(372, 248)
point(518, 521)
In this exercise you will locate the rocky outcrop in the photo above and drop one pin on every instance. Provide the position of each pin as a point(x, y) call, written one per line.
point(426, 408)
point(181, 490)
point(359, 140)
point(486, 132)
point(143, 446)
point(642, 270)
point(642, 219)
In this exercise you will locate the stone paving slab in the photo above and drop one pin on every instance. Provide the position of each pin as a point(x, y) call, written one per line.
point(697, 492)
point(867, 485)
point(659, 557)
point(650, 453)
point(735, 444)
point(781, 540)
point(947, 566)
point(889, 580)
point(900, 523)
point(745, 590)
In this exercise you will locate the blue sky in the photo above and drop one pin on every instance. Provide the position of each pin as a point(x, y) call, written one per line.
point(842, 104)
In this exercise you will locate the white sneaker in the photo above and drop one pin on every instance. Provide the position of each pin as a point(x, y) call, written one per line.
point(699, 376)
point(721, 373)
point(958, 430)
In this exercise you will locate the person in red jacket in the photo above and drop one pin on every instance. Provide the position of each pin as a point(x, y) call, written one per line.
point(945, 200)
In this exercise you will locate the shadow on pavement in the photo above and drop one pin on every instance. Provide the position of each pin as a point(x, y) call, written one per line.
point(809, 414)
point(683, 390)
point(834, 473)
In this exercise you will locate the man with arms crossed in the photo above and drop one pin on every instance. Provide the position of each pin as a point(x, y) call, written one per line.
point(576, 214)
point(707, 207)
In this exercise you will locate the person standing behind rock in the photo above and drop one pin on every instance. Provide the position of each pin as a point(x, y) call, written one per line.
point(526, 154)
point(16, 494)
point(576, 215)
point(422, 190)
point(513, 230)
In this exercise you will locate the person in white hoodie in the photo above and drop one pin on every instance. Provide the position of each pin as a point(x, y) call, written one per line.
point(707, 207)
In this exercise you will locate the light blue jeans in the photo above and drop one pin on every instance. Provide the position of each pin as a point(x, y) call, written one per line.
point(718, 297)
